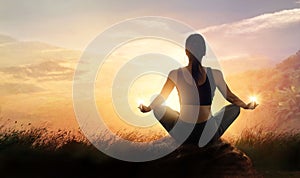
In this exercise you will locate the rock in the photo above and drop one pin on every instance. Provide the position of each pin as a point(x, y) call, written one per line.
point(219, 159)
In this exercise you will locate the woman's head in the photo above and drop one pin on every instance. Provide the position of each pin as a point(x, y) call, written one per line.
point(195, 49)
point(195, 46)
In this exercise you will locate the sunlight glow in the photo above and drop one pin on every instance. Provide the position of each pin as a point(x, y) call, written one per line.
point(253, 99)
point(140, 101)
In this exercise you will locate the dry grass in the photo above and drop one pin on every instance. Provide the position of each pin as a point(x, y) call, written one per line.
point(271, 150)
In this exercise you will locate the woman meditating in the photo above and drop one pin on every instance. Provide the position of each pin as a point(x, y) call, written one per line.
point(196, 86)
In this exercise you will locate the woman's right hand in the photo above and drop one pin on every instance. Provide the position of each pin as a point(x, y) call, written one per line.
point(144, 108)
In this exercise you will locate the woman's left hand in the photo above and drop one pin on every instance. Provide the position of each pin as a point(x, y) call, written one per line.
point(144, 108)
point(251, 105)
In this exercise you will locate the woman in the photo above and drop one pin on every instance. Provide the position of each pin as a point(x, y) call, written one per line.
point(205, 81)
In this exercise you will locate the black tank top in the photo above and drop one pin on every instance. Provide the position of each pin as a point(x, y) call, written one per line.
point(206, 91)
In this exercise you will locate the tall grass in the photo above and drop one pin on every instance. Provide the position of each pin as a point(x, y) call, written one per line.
point(271, 150)
point(40, 138)
point(268, 150)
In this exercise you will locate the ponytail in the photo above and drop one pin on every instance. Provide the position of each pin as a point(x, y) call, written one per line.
point(195, 70)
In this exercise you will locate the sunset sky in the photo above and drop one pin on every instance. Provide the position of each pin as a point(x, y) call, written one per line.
point(42, 41)
point(243, 27)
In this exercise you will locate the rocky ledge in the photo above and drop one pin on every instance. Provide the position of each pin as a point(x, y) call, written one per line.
point(219, 159)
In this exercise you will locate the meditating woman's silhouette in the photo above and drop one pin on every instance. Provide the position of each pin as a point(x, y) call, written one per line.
point(205, 80)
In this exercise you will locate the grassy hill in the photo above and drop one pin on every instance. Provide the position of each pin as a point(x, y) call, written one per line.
point(278, 92)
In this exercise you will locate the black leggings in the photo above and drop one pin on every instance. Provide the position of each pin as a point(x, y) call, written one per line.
point(202, 133)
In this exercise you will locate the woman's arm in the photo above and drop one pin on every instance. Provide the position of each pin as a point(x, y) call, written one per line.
point(165, 92)
point(228, 95)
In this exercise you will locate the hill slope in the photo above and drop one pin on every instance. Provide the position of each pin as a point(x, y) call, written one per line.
point(278, 92)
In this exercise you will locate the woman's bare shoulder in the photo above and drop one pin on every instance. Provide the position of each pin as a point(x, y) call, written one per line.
point(217, 73)
point(173, 74)
point(175, 71)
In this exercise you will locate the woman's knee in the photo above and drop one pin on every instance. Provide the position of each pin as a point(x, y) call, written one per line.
point(165, 113)
point(236, 110)
point(159, 111)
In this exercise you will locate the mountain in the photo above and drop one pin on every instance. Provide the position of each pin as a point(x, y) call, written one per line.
point(278, 91)
point(291, 63)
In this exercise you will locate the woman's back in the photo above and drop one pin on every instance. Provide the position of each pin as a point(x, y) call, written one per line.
point(188, 91)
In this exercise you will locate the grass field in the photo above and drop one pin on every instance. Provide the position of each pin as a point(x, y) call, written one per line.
point(273, 154)
point(38, 151)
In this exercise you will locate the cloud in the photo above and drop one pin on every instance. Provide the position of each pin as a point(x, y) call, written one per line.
point(6, 39)
point(271, 36)
point(9, 88)
point(48, 70)
point(279, 19)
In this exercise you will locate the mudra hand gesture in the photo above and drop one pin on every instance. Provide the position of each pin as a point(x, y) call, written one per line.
point(144, 108)
point(252, 105)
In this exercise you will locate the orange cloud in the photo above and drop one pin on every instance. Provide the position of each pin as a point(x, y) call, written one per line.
point(16, 88)
point(48, 70)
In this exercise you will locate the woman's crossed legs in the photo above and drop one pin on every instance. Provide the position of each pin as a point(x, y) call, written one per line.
point(208, 131)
